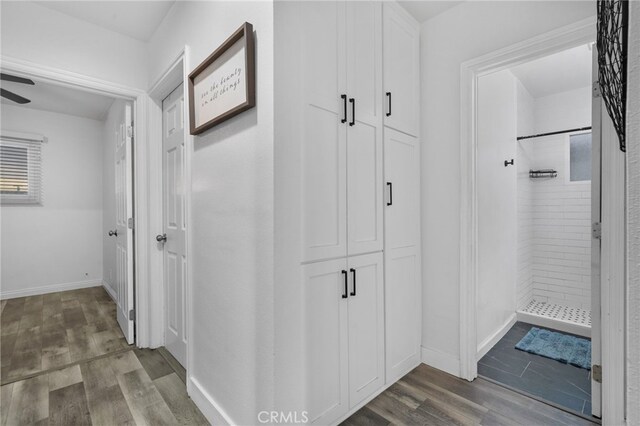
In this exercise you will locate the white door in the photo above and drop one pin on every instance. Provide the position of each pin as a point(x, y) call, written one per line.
point(401, 64)
point(402, 254)
point(364, 134)
point(175, 224)
point(326, 297)
point(124, 224)
point(597, 111)
point(366, 326)
point(323, 143)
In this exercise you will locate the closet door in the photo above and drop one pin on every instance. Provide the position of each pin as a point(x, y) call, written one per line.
point(364, 134)
point(366, 326)
point(324, 167)
point(401, 36)
point(402, 254)
point(325, 298)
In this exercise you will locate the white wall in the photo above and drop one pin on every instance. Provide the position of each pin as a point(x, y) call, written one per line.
point(633, 218)
point(232, 210)
point(60, 242)
point(109, 129)
point(43, 36)
point(464, 32)
point(497, 206)
point(524, 163)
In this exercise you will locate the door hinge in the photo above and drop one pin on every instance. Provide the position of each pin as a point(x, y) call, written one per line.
point(132, 315)
point(596, 373)
point(595, 90)
point(130, 131)
point(596, 230)
point(130, 223)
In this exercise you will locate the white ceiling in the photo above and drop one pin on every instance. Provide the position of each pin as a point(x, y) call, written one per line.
point(60, 99)
point(137, 19)
point(423, 10)
point(567, 70)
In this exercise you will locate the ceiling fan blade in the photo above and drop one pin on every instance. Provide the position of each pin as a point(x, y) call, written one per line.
point(13, 97)
point(16, 79)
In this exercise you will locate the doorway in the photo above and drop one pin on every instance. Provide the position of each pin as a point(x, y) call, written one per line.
point(607, 283)
point(534, 173)
point(67, 206)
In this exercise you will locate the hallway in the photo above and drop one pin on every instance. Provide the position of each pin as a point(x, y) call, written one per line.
point(65, 361)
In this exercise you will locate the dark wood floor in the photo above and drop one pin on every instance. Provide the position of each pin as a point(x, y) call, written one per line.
point(134, 387)
point(53, 330)
point(427, 396)
point(65, 362)
point(544, 378)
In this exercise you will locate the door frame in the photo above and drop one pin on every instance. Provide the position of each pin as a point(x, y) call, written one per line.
point(175, 74)
point(572, 35)
point(142, 245)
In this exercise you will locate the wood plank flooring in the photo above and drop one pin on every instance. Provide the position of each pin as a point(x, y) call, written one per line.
point(39, 333)
point(427, 396)
point(134, 387)
point(65, 362)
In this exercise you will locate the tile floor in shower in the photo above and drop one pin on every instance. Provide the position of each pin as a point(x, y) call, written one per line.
point(559, 312)
point(543, 378)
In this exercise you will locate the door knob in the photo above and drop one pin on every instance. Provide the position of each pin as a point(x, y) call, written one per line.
point(161, 238)
point(113, 233)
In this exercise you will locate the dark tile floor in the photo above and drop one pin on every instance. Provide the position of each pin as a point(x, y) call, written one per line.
point(538, 376)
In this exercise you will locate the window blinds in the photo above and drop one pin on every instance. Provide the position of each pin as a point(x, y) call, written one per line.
point(20, 169)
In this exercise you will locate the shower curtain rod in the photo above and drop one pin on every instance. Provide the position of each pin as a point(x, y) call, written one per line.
point(553, 133)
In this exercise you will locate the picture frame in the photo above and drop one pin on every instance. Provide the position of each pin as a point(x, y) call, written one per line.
point(223, 85)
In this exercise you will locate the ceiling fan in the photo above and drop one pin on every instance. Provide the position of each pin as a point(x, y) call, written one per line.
point(10, 95)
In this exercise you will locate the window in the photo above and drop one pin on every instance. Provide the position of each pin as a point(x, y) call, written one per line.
point(20, 177)
point(580, 157)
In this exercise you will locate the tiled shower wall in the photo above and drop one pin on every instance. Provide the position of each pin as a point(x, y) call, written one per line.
point(561, 230)
point(554, 226)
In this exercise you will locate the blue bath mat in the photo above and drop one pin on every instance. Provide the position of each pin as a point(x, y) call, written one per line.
point(561, 347)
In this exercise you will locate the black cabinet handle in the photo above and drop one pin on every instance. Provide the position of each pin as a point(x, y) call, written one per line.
point(389, 97)
point(344, 104)
point(344, 295)
point(353, 271)
point(353, 111)
point(390, 185)
point(506, 163)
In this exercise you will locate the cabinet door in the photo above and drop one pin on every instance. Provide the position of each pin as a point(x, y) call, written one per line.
point(366, 326)
point(323, 144)
point(402, 311)
point(402, 254)
point(364, 137)
point(326, 340)
point(401, 37)
point(402, 186)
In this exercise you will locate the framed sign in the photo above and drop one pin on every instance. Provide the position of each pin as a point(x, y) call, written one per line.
point(223, 85)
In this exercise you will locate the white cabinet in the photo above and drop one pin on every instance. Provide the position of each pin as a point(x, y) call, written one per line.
point(401, 36)
point(402, 253)
point(342, 130)
point(326, 345)
point(344, 309)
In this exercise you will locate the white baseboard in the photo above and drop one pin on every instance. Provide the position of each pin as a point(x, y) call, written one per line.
point(555, 324)
point(442, 361)
point(207, 405)
point(45, 289)
point(110, 291)
point(490, 341)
